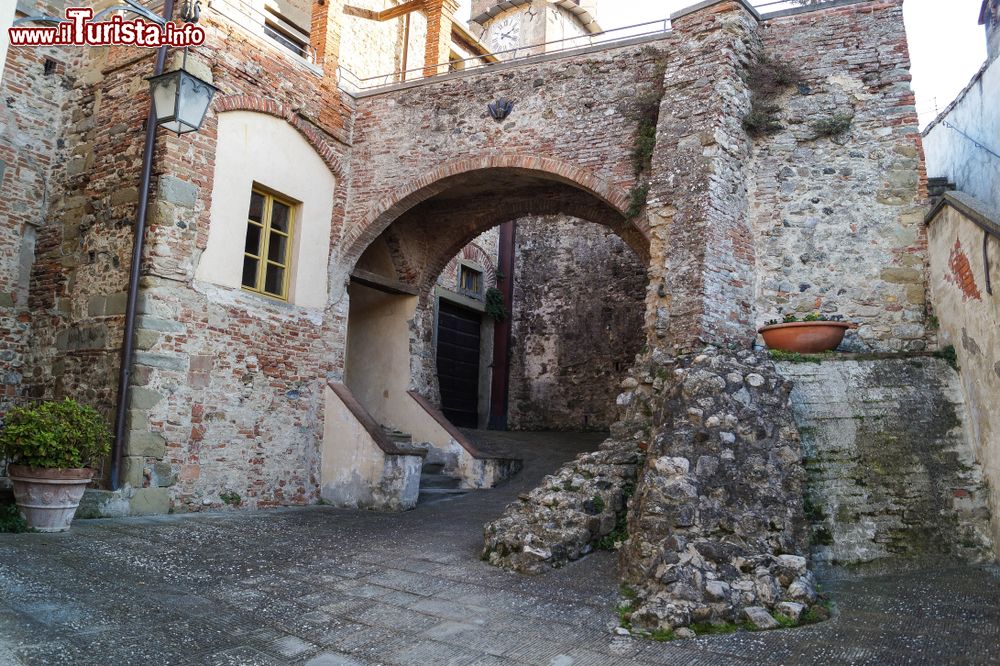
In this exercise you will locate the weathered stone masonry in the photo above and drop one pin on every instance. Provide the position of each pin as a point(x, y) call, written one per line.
point(229, 387)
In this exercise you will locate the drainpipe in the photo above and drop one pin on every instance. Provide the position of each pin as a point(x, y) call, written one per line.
point(500, 387)
point(138, 241)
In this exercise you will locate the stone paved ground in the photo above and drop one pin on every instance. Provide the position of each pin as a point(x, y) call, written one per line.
point(322, 586)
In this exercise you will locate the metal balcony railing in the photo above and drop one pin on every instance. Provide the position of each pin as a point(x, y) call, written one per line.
point(352, 83)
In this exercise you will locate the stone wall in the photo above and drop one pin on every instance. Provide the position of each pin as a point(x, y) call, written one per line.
point(41, 88)
point(837, 219)
point(969, 317)
point(951, 140)
point(577, 324)
point(891, 473)
point(227, 389)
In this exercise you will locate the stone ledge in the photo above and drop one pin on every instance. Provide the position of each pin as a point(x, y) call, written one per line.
point(681, 13)
point(977, 211)
point(806, 9)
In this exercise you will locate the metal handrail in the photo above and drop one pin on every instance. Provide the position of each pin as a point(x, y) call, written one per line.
point(519, 53)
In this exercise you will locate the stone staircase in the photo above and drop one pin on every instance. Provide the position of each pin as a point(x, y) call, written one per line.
point(436, 486)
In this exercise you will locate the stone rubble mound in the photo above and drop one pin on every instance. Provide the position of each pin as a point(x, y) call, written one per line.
point(716, 529)
point(565, 517)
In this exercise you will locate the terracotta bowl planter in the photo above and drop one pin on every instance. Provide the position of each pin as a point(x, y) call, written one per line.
point(805, 337)
point(48, 498)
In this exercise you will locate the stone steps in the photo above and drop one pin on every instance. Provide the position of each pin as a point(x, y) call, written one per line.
point(436, 486)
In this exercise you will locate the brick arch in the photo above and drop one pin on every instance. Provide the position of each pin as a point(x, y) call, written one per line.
point(472, 252)
point(393, 205)
point(313, 135)
point(501, 212)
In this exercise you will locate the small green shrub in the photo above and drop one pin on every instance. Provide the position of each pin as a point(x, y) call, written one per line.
point(662, 635)
point(54, 435)
point(833, 126)
point(762, 120)
point(494, 304)
point(231, 498)
point(796, 357)
point(11, 519)
point(637, 201)
point(645, 143)
point(767, 78)
point(710, 629)
point(949, 354)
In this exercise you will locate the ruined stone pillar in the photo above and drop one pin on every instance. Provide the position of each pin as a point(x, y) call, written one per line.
point(437, 49)
point(701, 245)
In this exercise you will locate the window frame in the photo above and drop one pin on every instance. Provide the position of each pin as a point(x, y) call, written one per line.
point(264, 245)
point(480, 275)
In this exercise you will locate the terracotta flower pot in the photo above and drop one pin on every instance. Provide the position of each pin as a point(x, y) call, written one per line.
point(805, 337)
point(48, 498)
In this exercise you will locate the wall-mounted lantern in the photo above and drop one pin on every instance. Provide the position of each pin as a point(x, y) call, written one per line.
point(180, 100)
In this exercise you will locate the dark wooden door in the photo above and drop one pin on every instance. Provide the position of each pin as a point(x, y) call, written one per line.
point(458, 363)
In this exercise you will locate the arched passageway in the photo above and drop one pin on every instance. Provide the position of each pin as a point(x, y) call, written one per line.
point(399, 303)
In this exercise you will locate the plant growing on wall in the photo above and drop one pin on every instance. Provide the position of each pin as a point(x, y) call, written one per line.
point(834, 126)
point(646, 113)
point(494, 304)
point(767, 78)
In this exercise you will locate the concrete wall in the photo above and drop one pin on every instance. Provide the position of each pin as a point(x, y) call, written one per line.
point(378, 348)
point(956, 157)
point(969, 318)
point(355, 472)
point(259, 150)
point(891, 471)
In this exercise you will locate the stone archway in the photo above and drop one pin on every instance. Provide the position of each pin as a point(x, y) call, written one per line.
point(396, 256)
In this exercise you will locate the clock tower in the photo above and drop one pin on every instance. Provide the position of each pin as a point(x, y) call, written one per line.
point(506, 27)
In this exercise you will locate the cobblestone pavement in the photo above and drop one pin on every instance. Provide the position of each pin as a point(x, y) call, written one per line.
point(322, 586)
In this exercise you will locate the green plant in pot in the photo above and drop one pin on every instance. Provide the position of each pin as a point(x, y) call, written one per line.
point(50, 448)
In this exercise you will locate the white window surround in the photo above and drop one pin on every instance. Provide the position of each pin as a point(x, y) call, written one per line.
point(255, 149)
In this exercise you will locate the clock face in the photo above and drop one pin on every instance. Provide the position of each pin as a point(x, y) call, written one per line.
point(505, 33)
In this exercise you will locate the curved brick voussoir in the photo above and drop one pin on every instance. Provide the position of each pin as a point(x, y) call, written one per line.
point(716, 528)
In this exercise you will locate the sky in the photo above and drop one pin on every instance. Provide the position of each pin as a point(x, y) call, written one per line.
point(947, 44)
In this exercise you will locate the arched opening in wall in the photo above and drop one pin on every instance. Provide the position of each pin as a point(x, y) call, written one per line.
point(420, 358)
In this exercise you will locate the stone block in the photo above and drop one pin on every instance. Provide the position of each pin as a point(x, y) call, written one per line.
point(95, 306)
point(760, 618)
point(162, 361)
point(163, 475)
point(146, 340)
point(158, 324)
point(137, 419)
point(902, 275)
point(145, 444)
point(133, 471)
point(178, 192)
point(150, 502)
point(127, 195)
point(115, 303)
point(144, 398)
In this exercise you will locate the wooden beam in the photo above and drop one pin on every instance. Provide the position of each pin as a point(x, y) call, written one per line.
point(385, 14)
point(383, 283)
